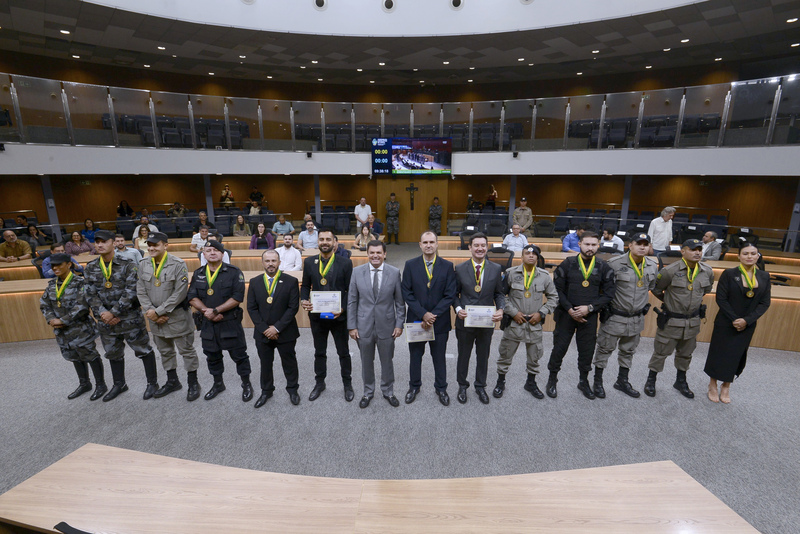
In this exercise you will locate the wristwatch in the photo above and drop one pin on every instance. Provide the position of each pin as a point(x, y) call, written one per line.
point(591, 308)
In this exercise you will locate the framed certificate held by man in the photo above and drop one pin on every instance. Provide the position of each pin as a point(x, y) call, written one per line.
point(416, 333)
point(479, 316)
point(326, 301)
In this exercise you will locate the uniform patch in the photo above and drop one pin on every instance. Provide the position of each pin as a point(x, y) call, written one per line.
point(659, 276)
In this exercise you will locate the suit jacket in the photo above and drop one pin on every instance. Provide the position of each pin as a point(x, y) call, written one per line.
point(338, 280)
point(280, 314)
point(437, 299)
point(375, 318)
point(491, 289)
point(713, 252)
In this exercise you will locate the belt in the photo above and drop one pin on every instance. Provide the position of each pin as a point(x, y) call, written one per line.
point(624, 314)
point(671, 315)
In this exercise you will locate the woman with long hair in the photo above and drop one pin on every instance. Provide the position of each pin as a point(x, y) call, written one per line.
point(35, 237)
point(124, 209)
point(89, 230)
point(140, 243)
point(262, 238)
point(241, 228)
point(363, 238)
point(78, 245)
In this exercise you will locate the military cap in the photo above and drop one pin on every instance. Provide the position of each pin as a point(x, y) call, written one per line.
point(536, 250)
point(155, 237)
point(641, 236)
point(104, 235)
point(523, 199)
point(692, 243)
point(59, 258)
point(216, 244)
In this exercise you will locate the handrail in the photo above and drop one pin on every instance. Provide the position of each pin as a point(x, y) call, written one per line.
point(658, 210)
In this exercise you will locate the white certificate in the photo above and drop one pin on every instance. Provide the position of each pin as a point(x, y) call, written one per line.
point(326, 301)
point(479, 316)
point(415, 333)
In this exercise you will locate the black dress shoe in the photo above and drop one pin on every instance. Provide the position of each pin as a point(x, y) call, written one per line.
point(316, 392)
point(294, 398)
point(683, 387)
point(262, 400)
point(462, 394)
point(247, 392)
point(498, 390)
point(115, 391)
point(650, 388)
point(215, 390)
point(391, 399)
point(444, 398)
point(168, 387)
point(349, 394)
point(99, 391)
point(551, 389)
point(85, 387)
point(583, 385)
point(482, 396)
point(533, 389)
point(411, 395)
point(625, 387)
point(364, 402)
point(193, 393)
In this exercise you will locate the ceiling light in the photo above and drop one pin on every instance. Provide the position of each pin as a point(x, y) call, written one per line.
point(717, 59)
point(684, 40)
point(521, 59)
point(595, 51)
point(302, 66)
point(415, 70)
point(579, 73)
point(667, 49)
point(162, 47)
point(470, 81)
point(422, 81)
point(360, 70)
point(210, 73)
point(791, 20)
point(372, 81)
point(65, 32)
point(648, 66)
point(445, 62)
point(242, 57)
point(173, 55)
point(319, 79)
point(795, 45)
point(382, 64)
point(76, 56)
point(314, 61)
point(471, 68)
point(148, 66)
point(269, 77)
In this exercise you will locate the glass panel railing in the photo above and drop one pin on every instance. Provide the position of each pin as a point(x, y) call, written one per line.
point(702, 115)
point(750, 112)
point(243, 120)
point(621, 120)
point(660, 118)
point(397, 120)
point(42, 110)
point(88, 109)
point(787, 125)
point(277, 125)
point(338, 126)
point(9, 129)
point(584, 121)
point(426, 120)
point(308, 123)
point(486, 125)
point(368, 124)
point(550, 122)
point(209, 121)
point(519, 123)
point(172, 120)
point(132, 109)
point(456, 123)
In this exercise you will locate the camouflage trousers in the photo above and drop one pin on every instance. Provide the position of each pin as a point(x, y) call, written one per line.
point(392, 225)
point(114, 339)
point(83, 353)
point(435, 225)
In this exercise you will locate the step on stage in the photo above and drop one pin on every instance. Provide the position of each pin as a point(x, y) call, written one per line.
point(111, 490)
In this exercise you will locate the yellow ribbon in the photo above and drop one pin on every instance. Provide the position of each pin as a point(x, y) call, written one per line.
point(584, 271)
point(157, 271)
point(751, 282)
point(211, 278)
point(106, 272)
point(690, 274)
point(271, 288)
point(324, 272)
point(638, 270)
point(428, 272)
point(60, 290)
point(527, 281)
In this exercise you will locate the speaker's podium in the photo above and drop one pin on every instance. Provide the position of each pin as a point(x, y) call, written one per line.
point(105, 489)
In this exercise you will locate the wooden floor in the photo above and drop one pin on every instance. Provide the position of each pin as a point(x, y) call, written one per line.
point(111, 490)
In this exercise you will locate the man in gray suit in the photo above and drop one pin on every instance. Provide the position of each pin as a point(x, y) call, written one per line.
point(712, 250)
point(375, 312)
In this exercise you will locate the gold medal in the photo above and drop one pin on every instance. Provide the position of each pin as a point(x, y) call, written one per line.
point(157, 270)
point(691, 274)
point(585, 283)
point(106, 272)
point(269, 300)
point(477, 289)
point(640, 283)
point(158, 283)
point(108, 284)
point(750, 294)
point(210, 291)
point(58, 303)
point(270, 287)
point(60, 290)
point(586, 271)
point(527, 294)
point(690, 287)
point(750, 281)
point(323, 282)
point(429, 272)
point(429, 285)
point(323, 271)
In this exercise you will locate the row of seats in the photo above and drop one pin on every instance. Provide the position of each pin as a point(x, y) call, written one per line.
point(5, 118)
point(177, 131)
point(627, 125)
point(182, 227)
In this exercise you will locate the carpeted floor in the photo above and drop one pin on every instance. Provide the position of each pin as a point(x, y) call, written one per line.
point(746, 453)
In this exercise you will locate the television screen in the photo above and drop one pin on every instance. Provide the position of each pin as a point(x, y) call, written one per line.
point(412, 156)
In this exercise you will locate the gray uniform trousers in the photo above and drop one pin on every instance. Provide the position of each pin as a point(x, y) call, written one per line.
point(622, 332)
point(185, 346)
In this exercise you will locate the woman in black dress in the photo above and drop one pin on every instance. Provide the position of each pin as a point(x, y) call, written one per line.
point(743, 295)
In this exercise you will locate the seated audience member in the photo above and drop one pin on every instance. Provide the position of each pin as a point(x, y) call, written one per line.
point(375, 228)
point(610, 240)
point(2, 223)
point(88, 230)
point(262, 238)
point(143, 221)
point(199, 239)
point(712, 250)
point(176, 211)
point(282, 227)
point(140, 242)
point(47, 269)
point(34, 237)
point(124, 209)
point(202, 220)
point(78, 245)
point(291, 260)
point(515, 241)
point(570, 242)
point(225, 256)
point(309, 238)
point(307, 217)
point(241, 228)
point(338, 248)
point(363, 238)
point(122, 250)
point(22, 221)
point(255, 209)
point(14, 249)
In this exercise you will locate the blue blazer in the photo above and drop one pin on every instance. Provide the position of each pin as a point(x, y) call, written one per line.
point(437, 300)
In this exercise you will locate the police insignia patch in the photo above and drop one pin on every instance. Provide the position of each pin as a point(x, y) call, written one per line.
point(659, 276)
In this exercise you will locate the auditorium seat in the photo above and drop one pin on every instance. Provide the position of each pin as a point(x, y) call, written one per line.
point(543, 228)
point(215, 138)
point(495, 228)
point(171, 137)
point(691, 124)
point(147, 136)
point(236, 140)
point(665, 136)
point(647, 136)
point(709, 121)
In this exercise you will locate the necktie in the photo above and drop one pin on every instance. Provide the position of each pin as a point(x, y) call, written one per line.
point(270, 281)
point(375, 281)
point(429, 263)
point(478, 274)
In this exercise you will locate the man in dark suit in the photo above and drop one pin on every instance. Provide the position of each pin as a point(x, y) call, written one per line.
point(328, 272)
point(429, 289)
point(478, 283)
point(272, 302)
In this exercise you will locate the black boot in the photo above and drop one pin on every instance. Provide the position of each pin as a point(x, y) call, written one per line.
point(247, 389)
point(681, 385)
point(598, 389)
point(623, 385)
point(99, 378)
point(583, 385)
point(500, 387)
point(650, 385)
point(193, 393)
point(531, 387)
point(150, 372)
point(551, 389)
point(172, 384)
point(84, 386)
point(216, 389)
point(396, 239)
point(118, 374)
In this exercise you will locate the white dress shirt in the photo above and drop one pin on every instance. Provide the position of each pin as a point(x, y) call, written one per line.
point(373, 272)
point(362, 212)
point(615, 242)
point(660, 233)
point(515, 243)
point(291, 260)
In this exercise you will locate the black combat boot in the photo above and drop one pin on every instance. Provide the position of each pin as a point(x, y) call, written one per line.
point(650, 385)
point(623, 385)
point(151, 373)
point(84, 385)
point(118, 375)
point(172, 384)
point(598, 389)
point(551, 389)
point(583, 385)
point(99, 378)
point(531, 387)
point(193, 393)
point(682, 386)
point(500, 387)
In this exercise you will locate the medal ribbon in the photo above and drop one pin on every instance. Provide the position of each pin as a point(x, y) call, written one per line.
point(429, 272)
point(60, 290)
point(526, 279)
point(209, 277)
point(584, 271)
point(271, 288)
point(158, 270)
point(751, 283)
point(638, 270)
point(690, 274)
point(324, 272)
point(106, 272)
point(475, 270)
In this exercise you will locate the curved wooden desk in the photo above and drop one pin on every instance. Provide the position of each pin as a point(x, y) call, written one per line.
point(199, 498)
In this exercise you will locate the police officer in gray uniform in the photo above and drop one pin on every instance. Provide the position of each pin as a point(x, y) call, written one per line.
point(525, 286)
point(435, 217)
point(622, 321)
point(111, 292)
point(392, 219)
point(681, 286)
point(162, 289)
point(64, 306)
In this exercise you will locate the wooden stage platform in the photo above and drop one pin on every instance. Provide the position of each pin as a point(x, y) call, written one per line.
point(112, 490)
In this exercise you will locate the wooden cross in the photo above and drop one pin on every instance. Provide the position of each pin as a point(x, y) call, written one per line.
point(411, 190)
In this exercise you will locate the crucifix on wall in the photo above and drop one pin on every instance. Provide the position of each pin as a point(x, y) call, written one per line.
point(411, 190)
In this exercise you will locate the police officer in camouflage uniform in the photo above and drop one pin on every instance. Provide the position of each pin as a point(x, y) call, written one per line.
point(435, 217)
point(162, 289)
point(681, 286)
point(392, 219)
point(64, 306)
point(111, 292)
point(523, 216)
point(622, 321)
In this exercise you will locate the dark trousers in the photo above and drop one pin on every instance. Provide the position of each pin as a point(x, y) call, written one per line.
point(438, 347)
point(481, 338)
point(266, 353)
point(319, 331)
point(239, 356)
point(585, 337)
